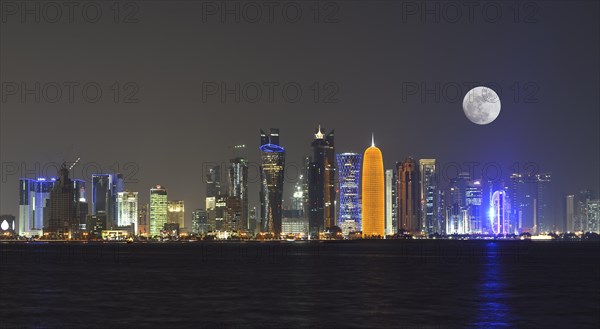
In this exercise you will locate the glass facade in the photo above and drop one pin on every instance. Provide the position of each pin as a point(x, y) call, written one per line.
point(158, 209)
point(349, 216)
point(200, 222)
point(33, 198)
point(428, 192)
point(127, 204)
point(408, 196)
point(321, 183)
point(104, 195)
point(272, 175)
point(238, 187)
point(176, 213)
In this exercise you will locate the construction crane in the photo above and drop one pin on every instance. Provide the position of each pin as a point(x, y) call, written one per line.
point(74, 163)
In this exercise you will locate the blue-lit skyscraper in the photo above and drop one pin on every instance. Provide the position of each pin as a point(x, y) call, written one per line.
point(349, 218)
point(473, 201)
point(272, 175)
point(33, 196)
point(500, 213)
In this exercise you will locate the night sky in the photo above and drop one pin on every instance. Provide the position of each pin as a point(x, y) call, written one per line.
point(546, 66)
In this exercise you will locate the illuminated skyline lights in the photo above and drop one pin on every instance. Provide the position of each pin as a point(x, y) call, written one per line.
point(349, 217)
point(373, 193)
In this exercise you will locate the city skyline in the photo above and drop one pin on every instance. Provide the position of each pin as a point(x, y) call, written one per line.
point(219, 178)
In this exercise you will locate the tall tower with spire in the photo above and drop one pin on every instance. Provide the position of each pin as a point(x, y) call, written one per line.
point(321, 183)
point(373, 193)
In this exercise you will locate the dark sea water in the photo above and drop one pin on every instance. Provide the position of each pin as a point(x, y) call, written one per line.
point(348, 284)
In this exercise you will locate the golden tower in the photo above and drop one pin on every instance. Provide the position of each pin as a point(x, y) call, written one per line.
point(373, 193)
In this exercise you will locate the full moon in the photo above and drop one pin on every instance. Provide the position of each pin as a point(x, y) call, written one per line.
point(481, 105)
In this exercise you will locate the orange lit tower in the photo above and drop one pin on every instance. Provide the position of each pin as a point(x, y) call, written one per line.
point(373, 193)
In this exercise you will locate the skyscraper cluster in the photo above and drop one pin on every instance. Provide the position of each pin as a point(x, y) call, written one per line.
point(337, 195)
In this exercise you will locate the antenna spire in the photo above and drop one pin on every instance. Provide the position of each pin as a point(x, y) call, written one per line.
point(372, 139)
point(319, 134)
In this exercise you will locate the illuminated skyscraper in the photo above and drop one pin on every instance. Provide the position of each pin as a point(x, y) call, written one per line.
point(530, 202)
point(349, 218)
point(81, 203)
point(213, 181)
point(200, 222)
point(176, 213)
point(158, 209)
point(232, 215)
point(298, 196)
point(219, 213)
point(373, 193)
point(500, 213)
point(238, 187)
point(211, 212)
point(143, 220)
point(253, 220)
point(389, 201)
point(523, 194)
point(63, 220)
point(593, 216)
point(581, 220)
point(544, 212)
point(272, 175)
point(408, 196)
point(473, 205)
point(321, 183)
point(33, 198)
point(104, 198)
point(428, 196)
point(570, 213)
point(127, 204)
point(442, 211)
